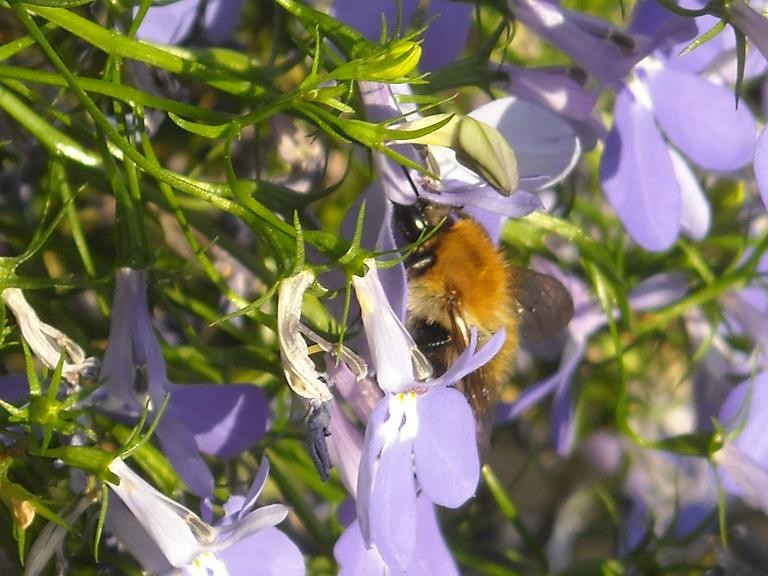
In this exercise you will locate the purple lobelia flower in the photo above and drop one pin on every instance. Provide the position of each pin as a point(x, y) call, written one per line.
point(420, 438)
point(589, 317)
point(444, 39)
point(666, 110)
point(174, 22)
point(162, 534)
point(431, 556)
point(221, 420)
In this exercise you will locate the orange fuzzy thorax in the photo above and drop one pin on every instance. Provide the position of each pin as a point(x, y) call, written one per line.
point(471, 277)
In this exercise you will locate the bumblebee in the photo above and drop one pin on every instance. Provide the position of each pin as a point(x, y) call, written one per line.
point(457, 280)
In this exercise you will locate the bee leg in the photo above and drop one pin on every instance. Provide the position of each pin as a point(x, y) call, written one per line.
point(317, 431)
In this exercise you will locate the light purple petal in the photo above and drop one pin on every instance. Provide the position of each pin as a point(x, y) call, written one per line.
point(695, 213)
point(366, 16)
point(658, 291)
point(469, 361)
point(14, 388)
point(751, 23)
point(743, 476)
point(572, 356)
point(388, 340)
point(564, 414)
point(221, 19)
point(447, 34)
point(345, 446)
point(747, 406)
point(393, 505)
point(545, 145)
point(695, 113)
point(249, 500)
point(638, 177)
point(379, 427)
point(225, 419)
point(761, 166)
point(553, 88)
point(170, 23)
point(121, 522)
point(445, 450)
point(516, 205)
point(587, 40)
point(180, 447)
point(354, 557)
point(268, 552)
point(432, 556)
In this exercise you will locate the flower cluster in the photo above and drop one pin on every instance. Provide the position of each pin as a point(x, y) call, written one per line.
point(448, 287)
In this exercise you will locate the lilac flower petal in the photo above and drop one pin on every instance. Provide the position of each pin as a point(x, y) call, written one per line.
point(652, 19)
point(553, 88)
point(121, 522)
point(761, 166)
point(388, 340)
point(345, 445)
point(170, 23)
point(696, 214)
point(354, 557)
point(585, 39)
point(14, 388)
point(694, 113)
point(744, 476)
point(265, 553)
point(658, 291)
point(750, 319)
point(163, 519)
point(221, 19)
point(564, 414)
point(393, 505)
point(572, 356)
point(180, 447)
point(256, 520)
point(394, 279)
point(379, 427)
point(751, 23)
point(545, 145)
point(445, 450)
point(226, 419)
point(469, 361)
point(249, 501)
point(516, 205)
point(744, 411)
point(432, 556)
point(447, 34)
point(366, 17)
point(638, 177)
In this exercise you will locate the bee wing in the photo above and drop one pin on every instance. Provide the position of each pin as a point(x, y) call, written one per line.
point(544, 304)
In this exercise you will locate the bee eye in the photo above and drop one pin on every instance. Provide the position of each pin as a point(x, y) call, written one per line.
point(411, 221)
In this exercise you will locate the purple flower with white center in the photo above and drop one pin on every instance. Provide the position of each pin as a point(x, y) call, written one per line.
point(431, 556)
point(544, 156)
point(444, 39)
point(589, 317)
point(220, 420)
point(174, 22)
point(421, 436)
point(662, 105)
point(162, 534)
